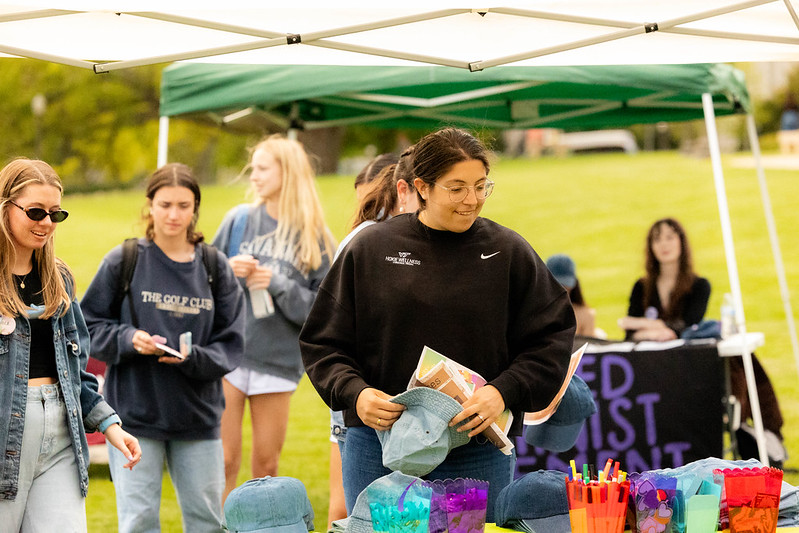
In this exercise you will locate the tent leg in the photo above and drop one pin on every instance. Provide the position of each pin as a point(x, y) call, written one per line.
point(772, 232)
point(732, 269)
point(163, 141)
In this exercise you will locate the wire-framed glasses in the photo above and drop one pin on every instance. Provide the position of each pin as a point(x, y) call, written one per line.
point(457, 193)
point(37, 213)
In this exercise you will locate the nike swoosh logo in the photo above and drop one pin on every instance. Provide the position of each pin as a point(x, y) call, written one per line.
point(484, 256)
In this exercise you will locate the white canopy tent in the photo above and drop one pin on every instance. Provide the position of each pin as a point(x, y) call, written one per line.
point(108, 35)
point(111, 35)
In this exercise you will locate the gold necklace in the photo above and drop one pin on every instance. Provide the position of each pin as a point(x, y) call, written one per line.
point(22, 281)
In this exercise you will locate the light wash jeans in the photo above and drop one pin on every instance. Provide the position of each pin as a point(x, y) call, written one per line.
point(362, 463)
point(197, 470)
point(49, 484)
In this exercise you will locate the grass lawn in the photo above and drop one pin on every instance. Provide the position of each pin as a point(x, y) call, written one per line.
point(596, 208)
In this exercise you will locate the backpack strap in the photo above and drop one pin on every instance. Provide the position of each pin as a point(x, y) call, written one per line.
point(211, 267)
point(237, 230)
point(130, 254)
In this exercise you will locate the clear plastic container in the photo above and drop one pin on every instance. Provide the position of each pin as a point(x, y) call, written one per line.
point(728, 325)
point(262, 304)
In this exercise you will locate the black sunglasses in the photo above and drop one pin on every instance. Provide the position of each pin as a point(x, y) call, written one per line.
point(37, 213)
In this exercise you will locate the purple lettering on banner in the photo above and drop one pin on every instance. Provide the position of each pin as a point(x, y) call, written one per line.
point(620, 440)
point(676, 450)
point(588, 376)
point(608, 391)
point(595, 425)
point(648, 402)
point(634, 462)
point(657, 459)
point(641, 419)
point(526, 459)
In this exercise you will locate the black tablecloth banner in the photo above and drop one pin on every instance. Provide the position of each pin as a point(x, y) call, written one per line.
point(656, 409)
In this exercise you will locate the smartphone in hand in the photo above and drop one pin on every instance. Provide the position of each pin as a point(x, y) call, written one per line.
point(160, 343)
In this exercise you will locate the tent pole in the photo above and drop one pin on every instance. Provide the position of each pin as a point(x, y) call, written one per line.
point(163, 141)
point(732, 269)
point(772, 232)
point(294, 122)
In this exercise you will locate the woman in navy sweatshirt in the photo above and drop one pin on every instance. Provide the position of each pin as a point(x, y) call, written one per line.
point(172, 404)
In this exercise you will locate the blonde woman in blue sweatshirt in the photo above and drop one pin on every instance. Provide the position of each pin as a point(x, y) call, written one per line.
point(280, 249)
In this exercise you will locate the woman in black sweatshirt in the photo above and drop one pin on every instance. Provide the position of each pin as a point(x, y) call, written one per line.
point(445, 278)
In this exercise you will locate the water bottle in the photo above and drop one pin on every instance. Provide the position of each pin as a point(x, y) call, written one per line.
point(262, 304)
point(728, 326)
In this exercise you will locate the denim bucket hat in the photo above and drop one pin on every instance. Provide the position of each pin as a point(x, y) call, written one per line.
point(560, 432)
point(269, 505)
point(421, 438)
point(535, 503)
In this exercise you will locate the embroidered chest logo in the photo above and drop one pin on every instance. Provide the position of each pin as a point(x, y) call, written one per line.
point(403, 258)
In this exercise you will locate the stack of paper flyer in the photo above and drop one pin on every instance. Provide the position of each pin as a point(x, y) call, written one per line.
point(439, 372)
point(442, 373)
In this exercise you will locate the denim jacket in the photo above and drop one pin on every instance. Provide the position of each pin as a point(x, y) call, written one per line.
point(86, 408)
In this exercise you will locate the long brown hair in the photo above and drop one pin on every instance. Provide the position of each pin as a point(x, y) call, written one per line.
point(174, 175)
point(14, 178)
point(685, 275)
point(381, 197)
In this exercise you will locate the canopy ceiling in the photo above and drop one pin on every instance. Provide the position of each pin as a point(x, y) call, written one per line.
point(501, 97)
point(108, 35)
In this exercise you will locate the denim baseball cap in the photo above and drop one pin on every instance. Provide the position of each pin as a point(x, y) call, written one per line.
point(539, 500)
point(421, 438)
point(269, 505)
point(360, 520)
point(559, 433)
point(563, 268)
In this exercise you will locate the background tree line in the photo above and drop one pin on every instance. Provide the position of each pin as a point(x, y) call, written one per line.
point(100, 131)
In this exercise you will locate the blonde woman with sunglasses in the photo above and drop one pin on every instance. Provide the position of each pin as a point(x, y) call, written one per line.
point(47, 399)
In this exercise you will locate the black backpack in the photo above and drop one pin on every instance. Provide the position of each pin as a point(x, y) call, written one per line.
point(130, 253)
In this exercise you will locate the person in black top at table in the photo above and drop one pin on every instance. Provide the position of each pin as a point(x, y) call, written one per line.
point(671, 296)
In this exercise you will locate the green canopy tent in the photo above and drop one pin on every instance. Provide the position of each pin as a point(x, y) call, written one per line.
point(570, 97)
point(312, 97)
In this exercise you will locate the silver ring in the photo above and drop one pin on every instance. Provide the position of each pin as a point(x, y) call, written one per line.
point(481, 417)
point(138, 349)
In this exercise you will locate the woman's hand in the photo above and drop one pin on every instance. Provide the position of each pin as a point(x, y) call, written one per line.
point(376, 411)
point(647, 329)
point(661, 334)
point(124, 442)
point(242, 265)
point(144, 343)
point(480, 411)
point(259, 278)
